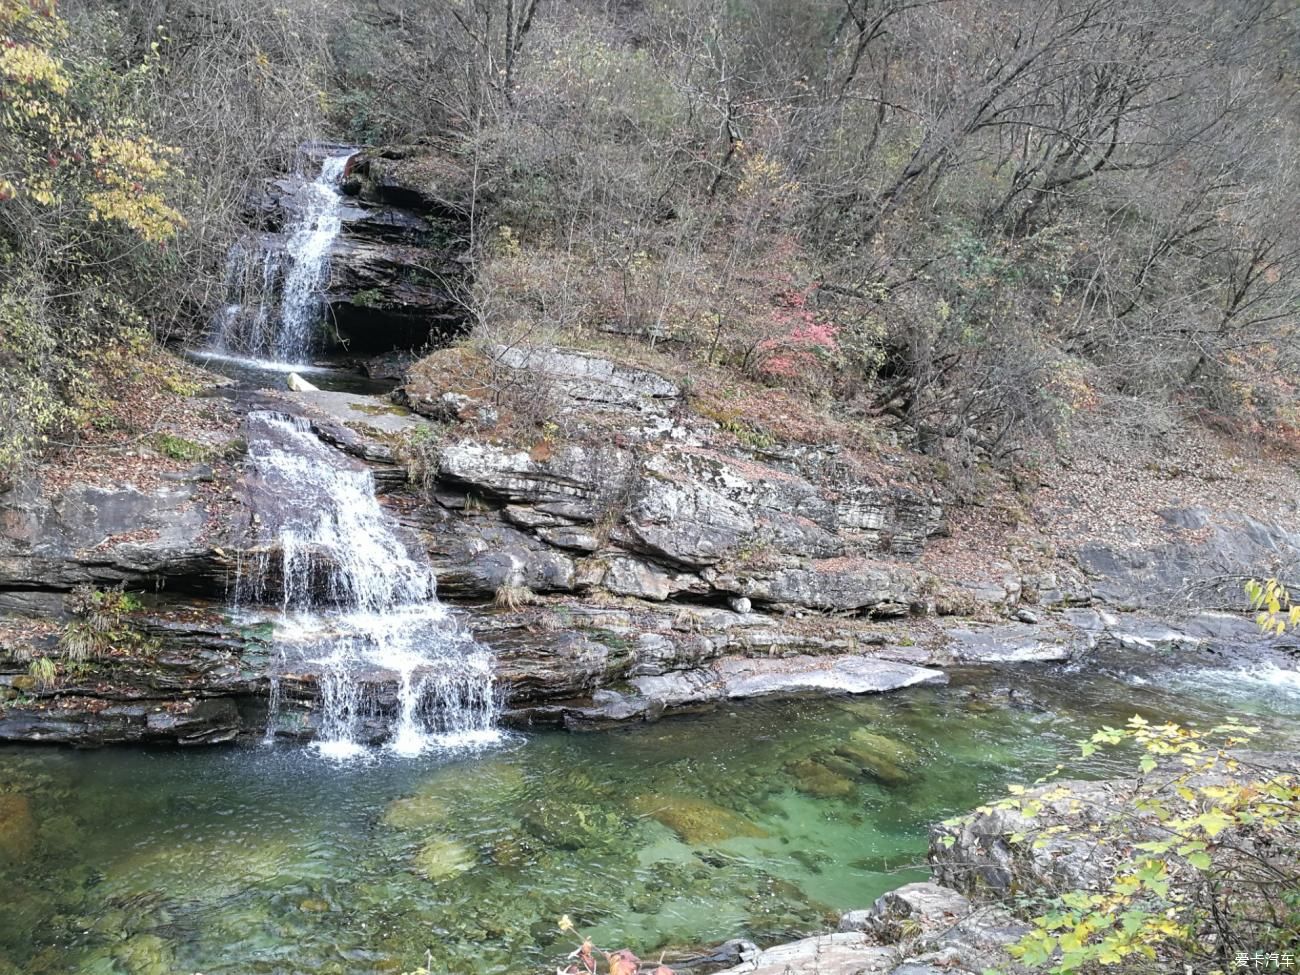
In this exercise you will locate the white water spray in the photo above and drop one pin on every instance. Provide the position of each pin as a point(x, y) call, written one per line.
point(297, 265)
point(358, 610)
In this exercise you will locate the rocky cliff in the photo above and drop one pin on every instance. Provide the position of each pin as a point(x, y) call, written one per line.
point(625, 556)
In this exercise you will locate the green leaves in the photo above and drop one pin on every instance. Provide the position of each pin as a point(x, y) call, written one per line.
point(1171, 832)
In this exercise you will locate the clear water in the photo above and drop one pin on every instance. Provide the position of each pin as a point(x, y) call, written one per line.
point(688, 831)
point(358, 606)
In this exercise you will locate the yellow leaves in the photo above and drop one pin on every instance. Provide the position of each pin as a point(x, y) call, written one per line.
point(1276, 614)
point(129, 170)
point(58, 154)
point(1214, 822)
point(27, 66)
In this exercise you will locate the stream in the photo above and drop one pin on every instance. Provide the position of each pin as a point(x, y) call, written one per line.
point(444, 840)
point(686, 832)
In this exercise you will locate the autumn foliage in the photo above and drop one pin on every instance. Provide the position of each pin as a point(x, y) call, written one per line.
point(587, 959)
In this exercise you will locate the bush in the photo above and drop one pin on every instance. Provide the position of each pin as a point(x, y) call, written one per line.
point(1200, 865)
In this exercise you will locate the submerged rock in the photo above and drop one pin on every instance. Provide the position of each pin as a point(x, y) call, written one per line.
point(415, 812)
point(574, 825)
point(17, 828)
point(444, 858)
point(145, 954)
point(695, 821)
point(885, 759)
point(814, 779)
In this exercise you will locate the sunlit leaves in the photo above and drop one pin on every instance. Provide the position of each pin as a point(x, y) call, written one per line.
point(1176, 835)
point(59, 148)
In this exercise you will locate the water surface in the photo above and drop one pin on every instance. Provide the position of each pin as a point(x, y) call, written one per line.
point(689, 831)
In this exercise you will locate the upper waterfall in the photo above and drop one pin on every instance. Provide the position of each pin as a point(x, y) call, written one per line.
point(273, 304)
point(359, 609)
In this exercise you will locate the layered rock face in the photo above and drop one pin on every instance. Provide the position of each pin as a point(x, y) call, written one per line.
point(622, 557)
point(642, 500)
point(398, 262)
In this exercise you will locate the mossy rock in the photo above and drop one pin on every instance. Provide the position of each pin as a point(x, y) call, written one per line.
point(17, 829)
point(144, 954)
point(884, 759)
point(695, 821)
point(840, 766)
point(816, 780)
point(416, 812)
point(575, 825)
point(444, 858)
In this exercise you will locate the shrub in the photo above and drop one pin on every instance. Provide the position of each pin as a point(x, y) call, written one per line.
point(1204, 858)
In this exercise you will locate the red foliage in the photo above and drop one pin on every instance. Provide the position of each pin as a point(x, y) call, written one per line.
point(807, 341)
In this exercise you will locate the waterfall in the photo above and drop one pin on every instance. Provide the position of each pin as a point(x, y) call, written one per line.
point(357, 609)
point(295, 264)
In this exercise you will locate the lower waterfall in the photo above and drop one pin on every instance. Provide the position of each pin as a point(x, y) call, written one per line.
point(358, 610)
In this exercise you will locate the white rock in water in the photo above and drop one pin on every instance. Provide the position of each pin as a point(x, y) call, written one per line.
point(300, 385)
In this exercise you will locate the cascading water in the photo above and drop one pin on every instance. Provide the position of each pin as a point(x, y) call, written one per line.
point(295, 264)
point(357, 609)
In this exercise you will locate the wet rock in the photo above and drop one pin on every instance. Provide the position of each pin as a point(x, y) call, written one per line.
point(417, 812)
point(297, 384)
point(845, 953)
point(563, 825)
point(815, 779)
point(443, 858)
point(885, 759)
point(695, 821)
point(17, 828)
point(92, 721)
point(314, 905)
point(145, 954)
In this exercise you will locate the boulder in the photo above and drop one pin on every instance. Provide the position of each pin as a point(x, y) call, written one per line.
point(17, 828)
point(696, 822)
point(443, 858)
point(845, 953)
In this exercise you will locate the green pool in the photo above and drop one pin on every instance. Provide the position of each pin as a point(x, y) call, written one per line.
point(761, 821)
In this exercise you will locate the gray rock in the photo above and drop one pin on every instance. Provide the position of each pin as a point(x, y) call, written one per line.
point(846, 953)
point(976, 855)
point(740, 677)
point(1014, 643)
point(105, 535)
point(1202, 565)
point(591, 383)
point(842, 584)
